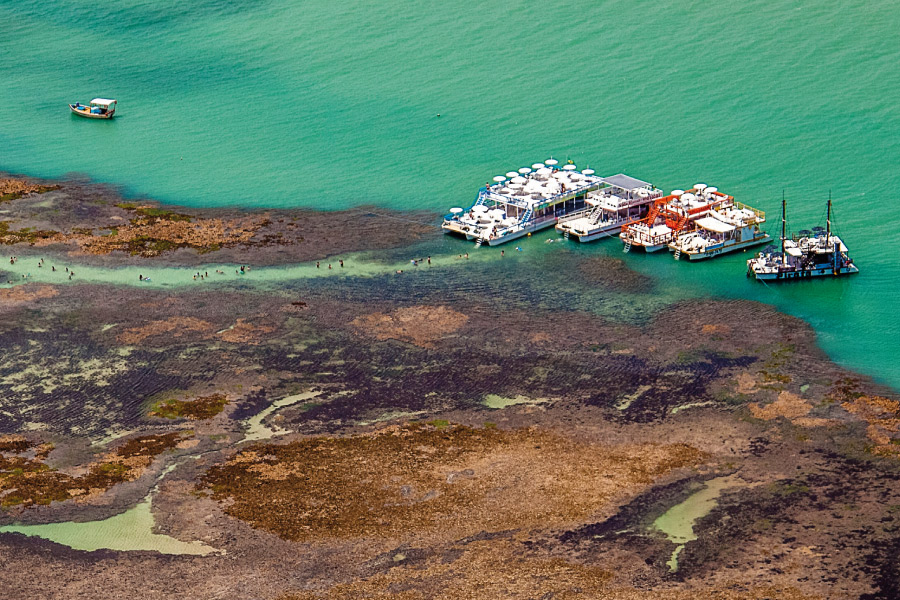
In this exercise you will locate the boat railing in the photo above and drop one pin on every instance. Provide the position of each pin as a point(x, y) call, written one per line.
point(648, 239)
point(760, 215)
point(521, 203)
point(580, 214)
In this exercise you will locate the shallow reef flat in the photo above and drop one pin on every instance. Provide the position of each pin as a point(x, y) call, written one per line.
point(465, 428)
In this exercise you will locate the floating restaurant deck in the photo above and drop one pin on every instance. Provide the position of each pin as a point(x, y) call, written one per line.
point(522, 202)
point(620, 200)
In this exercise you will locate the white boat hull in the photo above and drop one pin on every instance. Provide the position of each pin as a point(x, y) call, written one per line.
point(521, 233)
point(703, 255)
point(595, 234)
point(804, 274)
point(646, 248)
point(496, 241)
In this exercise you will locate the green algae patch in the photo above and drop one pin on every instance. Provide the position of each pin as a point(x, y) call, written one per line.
point(496, 402)
point(198, 409)
point(13, 189)
point(27, 480)
point(26, 235)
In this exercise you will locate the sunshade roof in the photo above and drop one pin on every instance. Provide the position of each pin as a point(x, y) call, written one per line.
point(625, 182)
point(713, 224)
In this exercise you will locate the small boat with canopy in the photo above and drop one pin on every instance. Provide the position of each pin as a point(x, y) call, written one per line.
point(99, 108)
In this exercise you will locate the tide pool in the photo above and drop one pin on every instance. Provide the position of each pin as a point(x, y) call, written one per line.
point(130, 530)
point(678, 522)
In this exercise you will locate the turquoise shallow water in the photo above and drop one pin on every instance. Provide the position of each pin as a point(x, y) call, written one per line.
point(323, 104)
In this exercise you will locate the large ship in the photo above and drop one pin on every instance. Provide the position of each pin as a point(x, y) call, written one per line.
point(672, 215)
point(729, 227)
point(816, 253)
point(621, 200)
point(522, 202)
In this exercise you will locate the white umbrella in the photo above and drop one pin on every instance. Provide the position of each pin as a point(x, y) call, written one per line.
point(570, 167)
point(688, 197)
point(518, 179)
point(524, 170)
point(537, 166)
point(512, 174)
point(499, 178)
point(588, 172)
point(456, 210)
point(699, 186)
point(711, 190)
point(479, 208)
point(677, 192)
point(551, 161)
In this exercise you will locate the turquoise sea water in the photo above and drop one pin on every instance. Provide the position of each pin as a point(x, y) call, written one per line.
point(330, 104)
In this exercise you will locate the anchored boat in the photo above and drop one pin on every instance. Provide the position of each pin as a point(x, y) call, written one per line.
point(817, 253)
point(729, 227)
point(621, 200)
point(672, 215)
point(99, 108)
point(522, 202)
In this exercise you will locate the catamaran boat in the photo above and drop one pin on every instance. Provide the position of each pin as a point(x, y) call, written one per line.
point(522, 202)
point(99, 108)
point(671, 216)
point(817, 253)
point(621, 200)
point(729, 227)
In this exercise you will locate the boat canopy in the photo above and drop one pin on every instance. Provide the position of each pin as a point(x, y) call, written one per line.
point(713, 224)
point(102, 101)
point(625, 182)
point(795, 252)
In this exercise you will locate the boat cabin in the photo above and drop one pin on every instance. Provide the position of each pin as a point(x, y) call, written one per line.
point(99, 108)
point(619, 201)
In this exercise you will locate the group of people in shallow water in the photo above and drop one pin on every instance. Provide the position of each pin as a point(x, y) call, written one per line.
point(243, 269)
point(319, 264)
point(205, 274)
point(14, 259)
point(415, 262)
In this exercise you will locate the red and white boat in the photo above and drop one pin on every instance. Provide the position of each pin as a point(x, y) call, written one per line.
point(671, 216)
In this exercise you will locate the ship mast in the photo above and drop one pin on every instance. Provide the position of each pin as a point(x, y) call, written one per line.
point(828, 220)
point(783, 254)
